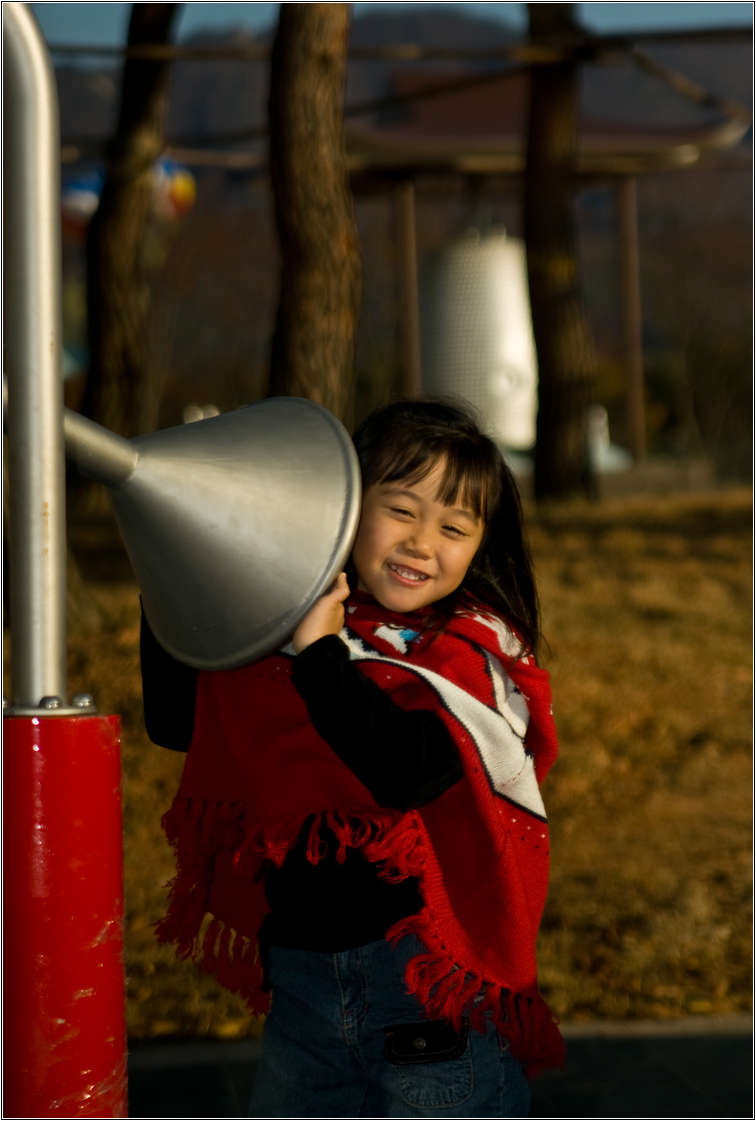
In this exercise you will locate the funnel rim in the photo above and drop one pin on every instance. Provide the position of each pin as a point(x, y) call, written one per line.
point(276, 635)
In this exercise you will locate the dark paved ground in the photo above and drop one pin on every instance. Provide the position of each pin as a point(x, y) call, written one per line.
point(698, 1067)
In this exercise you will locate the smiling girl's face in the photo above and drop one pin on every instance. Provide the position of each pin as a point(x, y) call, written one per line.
point(411, 549)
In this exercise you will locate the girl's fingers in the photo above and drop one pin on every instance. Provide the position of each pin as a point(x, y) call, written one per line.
point(340, 588)
point(326, 616)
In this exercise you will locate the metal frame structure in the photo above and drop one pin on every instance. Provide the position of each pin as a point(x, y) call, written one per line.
point(64, 993)
point(63, 985)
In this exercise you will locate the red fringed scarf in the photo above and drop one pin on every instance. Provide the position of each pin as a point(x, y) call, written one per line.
point(257, 769)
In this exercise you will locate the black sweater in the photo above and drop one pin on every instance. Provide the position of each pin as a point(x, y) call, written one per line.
point(405, 759)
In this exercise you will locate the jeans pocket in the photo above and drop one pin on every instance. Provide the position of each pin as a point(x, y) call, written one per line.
point(432, 1062)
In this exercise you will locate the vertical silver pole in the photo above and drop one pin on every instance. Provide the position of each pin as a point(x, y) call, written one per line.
point(32, 329)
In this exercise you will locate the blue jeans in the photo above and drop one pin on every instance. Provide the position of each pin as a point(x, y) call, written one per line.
point(325, 1050)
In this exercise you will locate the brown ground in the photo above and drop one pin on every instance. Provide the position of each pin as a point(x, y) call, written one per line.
point(646, 608)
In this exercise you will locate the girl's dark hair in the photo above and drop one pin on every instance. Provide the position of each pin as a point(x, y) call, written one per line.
point(404, 440)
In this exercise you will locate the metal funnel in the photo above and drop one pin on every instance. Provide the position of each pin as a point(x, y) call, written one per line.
point(234, 525)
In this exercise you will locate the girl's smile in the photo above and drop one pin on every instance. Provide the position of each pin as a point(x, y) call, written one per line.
point(407, 575)
point(412, 550)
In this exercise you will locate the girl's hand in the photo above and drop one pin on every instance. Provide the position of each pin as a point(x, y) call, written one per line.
point(326, 616)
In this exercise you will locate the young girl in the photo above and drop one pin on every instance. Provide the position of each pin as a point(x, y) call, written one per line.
point(359, 828)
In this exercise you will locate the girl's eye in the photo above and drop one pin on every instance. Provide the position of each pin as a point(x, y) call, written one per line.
point(400, 510)
point(455, 530)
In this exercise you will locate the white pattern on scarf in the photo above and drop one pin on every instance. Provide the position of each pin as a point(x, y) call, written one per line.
point(498, 733)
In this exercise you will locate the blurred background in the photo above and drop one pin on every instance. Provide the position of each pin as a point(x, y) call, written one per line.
point(545, 208)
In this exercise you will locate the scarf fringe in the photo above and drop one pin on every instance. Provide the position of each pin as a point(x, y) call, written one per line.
point(200, 831)
point(234, 960)
point(393, 841)
point(449, 991)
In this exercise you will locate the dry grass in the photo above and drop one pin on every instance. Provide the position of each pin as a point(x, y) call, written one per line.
point(647, 610)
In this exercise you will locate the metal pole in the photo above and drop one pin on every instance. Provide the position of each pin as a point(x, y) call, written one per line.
point(98, 453)
point(64, 1039)
point(63, 988)
point(32, 328)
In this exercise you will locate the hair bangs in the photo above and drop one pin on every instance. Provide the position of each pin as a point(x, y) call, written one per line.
point(470, 476)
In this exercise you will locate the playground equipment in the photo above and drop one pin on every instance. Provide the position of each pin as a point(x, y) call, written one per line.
point(235, 525)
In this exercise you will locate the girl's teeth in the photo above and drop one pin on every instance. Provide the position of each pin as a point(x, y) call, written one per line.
point(408, 573)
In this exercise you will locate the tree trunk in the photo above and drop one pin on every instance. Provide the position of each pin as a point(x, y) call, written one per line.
point(565, 362)
point(121, 389)
point(313, 343)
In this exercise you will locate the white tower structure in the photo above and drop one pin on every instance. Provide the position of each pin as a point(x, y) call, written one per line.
point(477, 336)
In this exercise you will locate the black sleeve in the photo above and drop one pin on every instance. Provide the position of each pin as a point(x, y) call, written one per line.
point(169, 690)
point(404, 758)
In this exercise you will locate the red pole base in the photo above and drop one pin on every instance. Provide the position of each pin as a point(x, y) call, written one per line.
point(63, 984)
